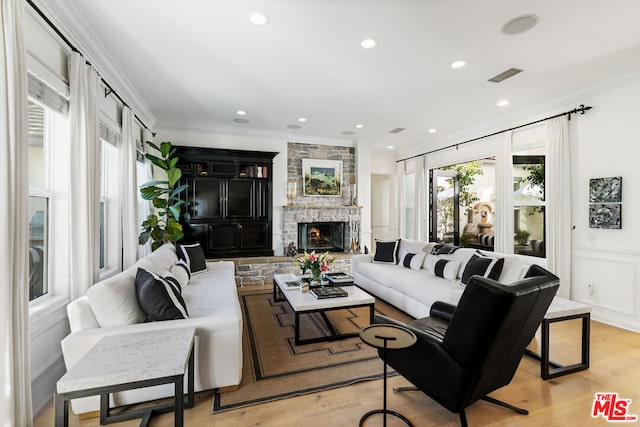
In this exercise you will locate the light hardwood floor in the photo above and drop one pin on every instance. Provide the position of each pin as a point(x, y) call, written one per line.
point(564, 401)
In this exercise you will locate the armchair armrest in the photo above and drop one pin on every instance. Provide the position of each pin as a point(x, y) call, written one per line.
point(442, 310)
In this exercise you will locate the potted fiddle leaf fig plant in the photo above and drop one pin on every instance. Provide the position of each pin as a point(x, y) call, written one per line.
point(163, 225)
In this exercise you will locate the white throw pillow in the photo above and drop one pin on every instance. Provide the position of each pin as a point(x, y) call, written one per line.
point(412, 260)
point(446, 268)
point(114, 301)
point(181, 273)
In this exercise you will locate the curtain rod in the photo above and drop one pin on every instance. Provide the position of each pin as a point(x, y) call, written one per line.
point(581, 109)
point(108, 89)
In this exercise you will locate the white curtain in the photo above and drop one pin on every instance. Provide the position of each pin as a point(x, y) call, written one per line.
point(15, 381)
point(422, 200)
point(145, 174)
point(400, 211)
point(503, 241)
point(558, 211)
point(85, 175)
point(128, 190)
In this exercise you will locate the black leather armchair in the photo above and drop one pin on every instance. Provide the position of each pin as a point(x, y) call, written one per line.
point(465, 352)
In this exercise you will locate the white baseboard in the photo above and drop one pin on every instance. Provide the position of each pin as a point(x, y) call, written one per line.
point(43, 386)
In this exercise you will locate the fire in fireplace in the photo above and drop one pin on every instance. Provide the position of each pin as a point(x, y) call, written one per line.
point(321, 236)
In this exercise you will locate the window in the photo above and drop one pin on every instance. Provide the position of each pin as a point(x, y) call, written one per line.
point(110, 226)
point(38, 203)
point(49, 164)
point(465, 190)
point(529, 203)
point(409, 197)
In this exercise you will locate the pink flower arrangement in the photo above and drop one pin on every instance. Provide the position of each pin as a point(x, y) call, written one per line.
point(318, 264)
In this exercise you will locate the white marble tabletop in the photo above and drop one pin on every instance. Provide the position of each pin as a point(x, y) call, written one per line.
point(125, 358)
point(561, 307)
point(305, 301)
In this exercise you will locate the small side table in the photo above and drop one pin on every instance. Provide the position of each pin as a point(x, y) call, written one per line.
point(129, 361)
point(385, 336)
point(562, 309)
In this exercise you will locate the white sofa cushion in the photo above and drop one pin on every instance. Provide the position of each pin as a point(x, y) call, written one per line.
point(114, 302)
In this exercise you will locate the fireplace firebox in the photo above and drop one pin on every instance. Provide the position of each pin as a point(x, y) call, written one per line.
point(321, 236)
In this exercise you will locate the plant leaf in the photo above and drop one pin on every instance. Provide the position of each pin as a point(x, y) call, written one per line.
point(179, 189)
point(174, 175)
point(165, 147)
point(157, 161)
point(151, 144)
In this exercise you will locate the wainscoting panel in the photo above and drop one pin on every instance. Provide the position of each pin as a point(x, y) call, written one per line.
point(605, 279)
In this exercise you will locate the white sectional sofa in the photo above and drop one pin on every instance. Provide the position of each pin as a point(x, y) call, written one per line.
point(111, 307)
point(414, 290)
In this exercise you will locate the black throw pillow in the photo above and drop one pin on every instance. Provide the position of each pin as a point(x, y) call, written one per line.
point(160, 299)
point(193, 254)
point(386, 251)
point(484, 266)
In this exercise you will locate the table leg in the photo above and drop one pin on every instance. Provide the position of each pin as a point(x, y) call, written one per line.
point(61, 408)
point(179, 402)
point(297, 328)
point(104, 408)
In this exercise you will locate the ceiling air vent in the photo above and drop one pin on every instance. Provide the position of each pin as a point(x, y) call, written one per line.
point(396, 130)
point(505, 75)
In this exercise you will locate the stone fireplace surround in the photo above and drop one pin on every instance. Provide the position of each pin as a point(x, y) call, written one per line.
point(317, 208)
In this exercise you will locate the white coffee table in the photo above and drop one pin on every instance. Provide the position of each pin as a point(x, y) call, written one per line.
point(305, 303)
point(562, 309)
point(129, 361)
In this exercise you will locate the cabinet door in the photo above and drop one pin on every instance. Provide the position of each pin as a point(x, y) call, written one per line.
point(240, 198)
point(262, 199)
point(254, 236)
point(206, 200)
point(222, 237)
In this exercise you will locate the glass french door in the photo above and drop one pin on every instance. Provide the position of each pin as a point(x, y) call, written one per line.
point(444, 203)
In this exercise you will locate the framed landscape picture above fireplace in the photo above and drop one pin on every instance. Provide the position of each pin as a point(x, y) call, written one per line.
point(322, 177)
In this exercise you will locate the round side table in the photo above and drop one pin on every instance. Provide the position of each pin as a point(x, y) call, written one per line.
point(385, 336)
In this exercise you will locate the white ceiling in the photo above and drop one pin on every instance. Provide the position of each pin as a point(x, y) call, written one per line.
point(196, 62)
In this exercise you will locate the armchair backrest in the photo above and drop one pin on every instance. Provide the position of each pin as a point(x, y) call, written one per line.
point(492, 325)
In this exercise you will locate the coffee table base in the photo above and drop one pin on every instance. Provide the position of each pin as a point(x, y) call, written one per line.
point(334, 335)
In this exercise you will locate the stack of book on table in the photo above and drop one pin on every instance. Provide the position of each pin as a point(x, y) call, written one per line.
point(337, 278)
point(322, 292)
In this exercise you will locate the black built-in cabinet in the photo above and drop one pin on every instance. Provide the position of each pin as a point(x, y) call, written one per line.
point(228, 202)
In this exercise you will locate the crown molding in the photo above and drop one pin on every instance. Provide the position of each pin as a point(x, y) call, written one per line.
point(64, 15)
point(257, 133)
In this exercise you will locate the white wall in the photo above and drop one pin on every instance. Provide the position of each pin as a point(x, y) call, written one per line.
point(383, 195)
point(605, 142)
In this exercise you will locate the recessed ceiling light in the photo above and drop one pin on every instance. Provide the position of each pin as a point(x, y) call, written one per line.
point(390, 147)
point(458, 64)
point(369, 43)
point(241, 113)
point(520, 24)
point(359, 126)
point(302, 119)
point(432, 130)
point(259, 19)
point(503, 103)
point(348, 132)
point(241, 121)
point(294, 127)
